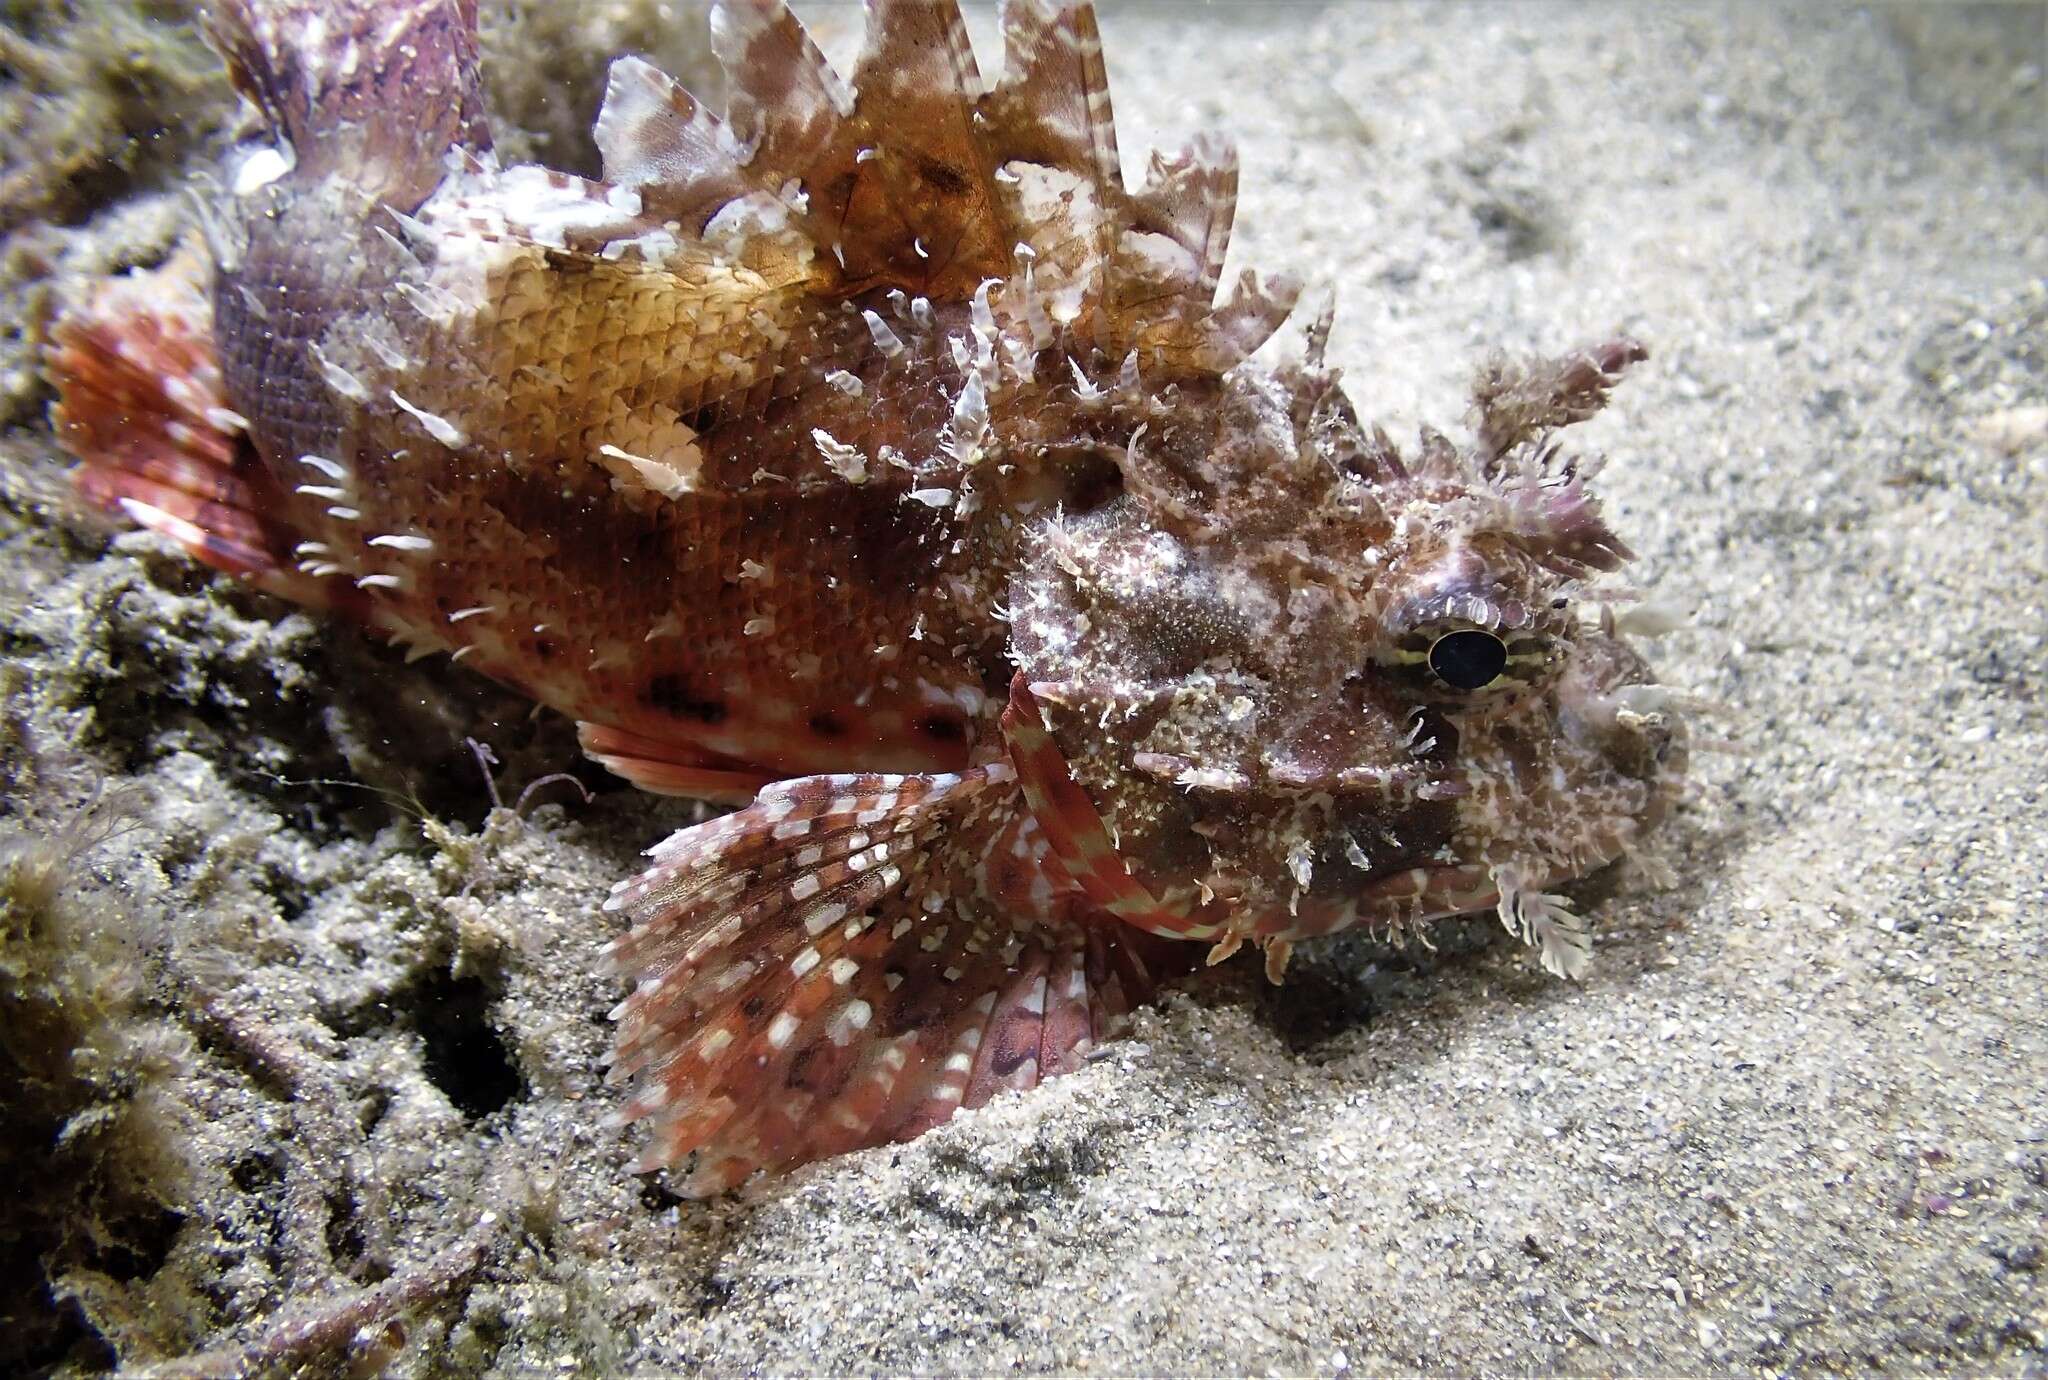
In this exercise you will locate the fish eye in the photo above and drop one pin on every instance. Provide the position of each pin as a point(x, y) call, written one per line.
point(1468, 659)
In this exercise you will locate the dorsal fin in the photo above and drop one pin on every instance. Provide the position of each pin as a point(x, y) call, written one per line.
point(908, 191)
point(1052, 109)
point(1192, 199)
point(786, 101)
point(890, 175)
point(656, 139)
point(1249, 317)
point(1052, 105)
point(384, 90)
point(914, 177)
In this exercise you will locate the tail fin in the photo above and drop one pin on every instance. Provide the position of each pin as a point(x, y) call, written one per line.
point(139, 401)
point(384, 87)
point(824, 971)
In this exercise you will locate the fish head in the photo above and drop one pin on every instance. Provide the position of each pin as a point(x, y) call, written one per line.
point(1308, 682)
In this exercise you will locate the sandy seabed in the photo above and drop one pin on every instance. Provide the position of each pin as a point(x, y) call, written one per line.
point(1794, 1119)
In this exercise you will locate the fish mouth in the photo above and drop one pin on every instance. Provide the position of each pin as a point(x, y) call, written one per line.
point(1397, 900)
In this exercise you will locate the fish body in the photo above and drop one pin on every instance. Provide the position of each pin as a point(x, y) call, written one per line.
point(873, 459)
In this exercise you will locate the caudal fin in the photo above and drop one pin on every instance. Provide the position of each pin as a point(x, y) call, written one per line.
point(139, 402)
point(827, 970)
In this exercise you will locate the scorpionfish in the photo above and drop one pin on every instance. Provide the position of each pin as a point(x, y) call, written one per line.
point(873, 459)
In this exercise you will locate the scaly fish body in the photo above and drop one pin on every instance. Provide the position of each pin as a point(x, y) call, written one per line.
point(874, 458)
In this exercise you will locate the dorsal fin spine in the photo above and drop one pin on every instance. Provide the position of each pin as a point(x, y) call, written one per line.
point(385, 89)
point(897, 176)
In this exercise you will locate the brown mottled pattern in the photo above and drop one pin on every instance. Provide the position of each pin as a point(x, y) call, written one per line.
point(792, 454)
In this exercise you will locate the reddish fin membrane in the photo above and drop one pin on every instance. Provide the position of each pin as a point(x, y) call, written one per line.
point(670, 768)
point(817, 973)
point(139, 401)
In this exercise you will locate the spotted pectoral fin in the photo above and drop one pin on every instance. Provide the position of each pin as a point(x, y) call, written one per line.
point(821, 972)
point(1076, 835)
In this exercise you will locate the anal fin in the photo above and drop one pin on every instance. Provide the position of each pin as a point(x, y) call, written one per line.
point(669, 768)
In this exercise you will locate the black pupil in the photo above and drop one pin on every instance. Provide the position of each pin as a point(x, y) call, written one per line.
point(1468, 660)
